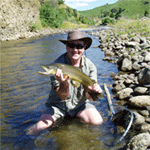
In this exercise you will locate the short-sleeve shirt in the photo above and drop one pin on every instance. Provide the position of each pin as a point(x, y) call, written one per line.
point(76, 96)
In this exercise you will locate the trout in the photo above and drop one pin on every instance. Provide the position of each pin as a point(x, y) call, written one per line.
point(77, 77)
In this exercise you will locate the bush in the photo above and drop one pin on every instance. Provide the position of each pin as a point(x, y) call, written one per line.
point(146, 13)
point(50, 16)
point(75, 13)
point(108, 20)
point(61, 1)
point(33, 27)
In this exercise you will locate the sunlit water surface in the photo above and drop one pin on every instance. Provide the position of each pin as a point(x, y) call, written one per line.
point(24, 93)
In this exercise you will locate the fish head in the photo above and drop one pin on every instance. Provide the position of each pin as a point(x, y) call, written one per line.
point(49, 70)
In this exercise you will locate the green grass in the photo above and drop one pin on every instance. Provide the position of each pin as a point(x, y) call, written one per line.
point(71, 25)
point(133, 26)
point(132, 9)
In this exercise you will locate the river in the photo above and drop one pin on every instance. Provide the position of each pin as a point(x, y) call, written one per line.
point(24, 93)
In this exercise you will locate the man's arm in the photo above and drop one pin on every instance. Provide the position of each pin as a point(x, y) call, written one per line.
point(62, 90)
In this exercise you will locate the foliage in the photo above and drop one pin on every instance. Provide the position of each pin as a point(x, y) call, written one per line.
point(33, 27)
point(125, 8)
point(71, 25)
point(108, 20)
point(146, 13)
point(133, 26)
point(50, 16)
point(61, 1)
point(54, 12)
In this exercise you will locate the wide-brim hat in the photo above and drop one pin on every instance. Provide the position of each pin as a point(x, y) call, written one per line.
point(77, 35)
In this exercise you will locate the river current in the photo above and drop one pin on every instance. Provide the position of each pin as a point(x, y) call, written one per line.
point(24, 93)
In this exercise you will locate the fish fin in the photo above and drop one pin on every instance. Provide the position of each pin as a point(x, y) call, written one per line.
point(65, 75)
point(75, 83)
point(95, 96)
point(94, 81)
point(43, 73)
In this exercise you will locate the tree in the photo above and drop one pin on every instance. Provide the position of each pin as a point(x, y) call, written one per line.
point(146, 13)
point(50, 16)
point(61, 1)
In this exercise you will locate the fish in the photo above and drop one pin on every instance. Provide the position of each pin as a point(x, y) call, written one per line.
point(77, 77)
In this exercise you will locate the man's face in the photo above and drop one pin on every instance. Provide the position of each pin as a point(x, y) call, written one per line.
point(75, 50)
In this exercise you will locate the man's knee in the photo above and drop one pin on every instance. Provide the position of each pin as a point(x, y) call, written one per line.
point(97, 121)
point(47, 118)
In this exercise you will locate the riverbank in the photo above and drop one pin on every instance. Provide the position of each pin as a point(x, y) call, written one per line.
point(41, 33)
point(131, 53)
point(45, 32)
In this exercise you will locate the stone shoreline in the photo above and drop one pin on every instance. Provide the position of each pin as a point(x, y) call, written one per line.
point(131, 53)
point(43, 32)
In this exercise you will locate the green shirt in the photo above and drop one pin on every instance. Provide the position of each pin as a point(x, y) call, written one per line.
point(76, 96)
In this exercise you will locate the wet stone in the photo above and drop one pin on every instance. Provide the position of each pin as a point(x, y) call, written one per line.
point(140, 90)
point(140, 101)
point(139, 142)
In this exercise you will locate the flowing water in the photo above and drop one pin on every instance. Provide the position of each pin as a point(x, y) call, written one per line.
point(24, 93)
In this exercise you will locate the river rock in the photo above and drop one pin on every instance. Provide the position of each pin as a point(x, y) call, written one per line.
point(144, 65)
point(147, 120)
point(118, 85)
point(147, 57)
point(124, 36)
point(125, 93)
point(142, 40)
point(128, 82)
point(136, 39)
point(139, 142)
point(144, 127)
point(133, 44)
point(140, 101)
point(109, 53)
point(126, 65)
point(144, 76)
point(140, 90)
point(137, 58)
point(144, 45)
point(136, 66)
point(139, 119)
point(144, 113)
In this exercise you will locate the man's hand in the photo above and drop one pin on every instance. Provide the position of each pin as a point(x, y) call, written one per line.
point(60, 77)
point(63, 89)
point(95, 88)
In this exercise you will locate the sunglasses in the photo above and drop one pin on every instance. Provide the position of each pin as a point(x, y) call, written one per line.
point(78, 46)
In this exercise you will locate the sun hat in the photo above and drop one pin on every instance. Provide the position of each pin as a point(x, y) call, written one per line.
point(77, 35)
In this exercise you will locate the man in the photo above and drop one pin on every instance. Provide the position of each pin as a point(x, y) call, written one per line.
point(66, 99)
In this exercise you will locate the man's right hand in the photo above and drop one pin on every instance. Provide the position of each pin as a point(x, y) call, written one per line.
point(60, 77)
point(63, 89)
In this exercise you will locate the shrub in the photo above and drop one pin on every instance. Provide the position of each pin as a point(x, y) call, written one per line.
point(33, 27)
point(61, 1)
point(75, 13)
point(50, 16)
point(146, 13)
point(108, 20)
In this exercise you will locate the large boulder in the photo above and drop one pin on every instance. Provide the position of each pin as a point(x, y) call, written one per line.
point(140, 101)
point(134, 45)
point(147, 57)
point(118, 85)
point(144, 76)
point(141, 90)
point(125, 93)
point(126, 65)
point(139, 142)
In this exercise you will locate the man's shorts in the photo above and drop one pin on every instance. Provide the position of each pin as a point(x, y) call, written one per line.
point(58, 112)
